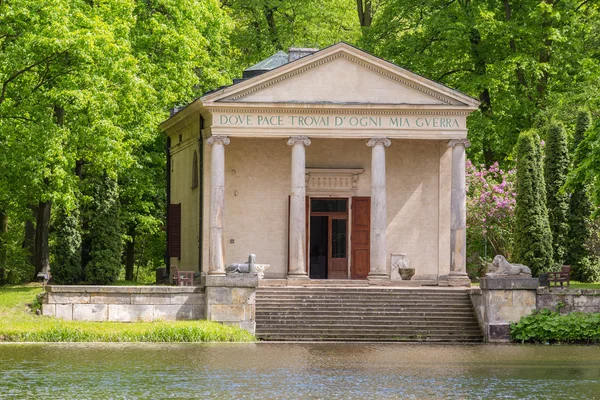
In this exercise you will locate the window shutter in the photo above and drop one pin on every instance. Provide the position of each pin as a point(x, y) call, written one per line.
point(174, 230)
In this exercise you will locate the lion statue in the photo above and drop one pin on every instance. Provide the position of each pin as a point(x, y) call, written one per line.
point(504, 268)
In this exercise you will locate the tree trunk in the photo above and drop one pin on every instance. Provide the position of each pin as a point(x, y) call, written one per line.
point(130, 255)
point(365, 12)
point(3, 230)
point(42, 253)
point(29, 239)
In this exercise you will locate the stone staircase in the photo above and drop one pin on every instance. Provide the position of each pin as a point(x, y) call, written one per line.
point(371, 314)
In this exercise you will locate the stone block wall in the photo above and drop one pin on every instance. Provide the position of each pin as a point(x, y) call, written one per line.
point(583, 300)
point(501, 301)
point(124, 303)
point(231, 300)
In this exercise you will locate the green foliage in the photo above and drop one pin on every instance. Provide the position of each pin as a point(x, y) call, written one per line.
point(66, 266)
point(552, 327)
point(533, 238)
point(523, 60)
point(264, 27)
point(104, 233)
point(580, 210)
point(556, 168)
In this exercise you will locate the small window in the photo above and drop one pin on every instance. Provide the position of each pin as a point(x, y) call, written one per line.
point(195, 170)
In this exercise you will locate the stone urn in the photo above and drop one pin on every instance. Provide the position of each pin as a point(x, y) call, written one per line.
point(406, 273)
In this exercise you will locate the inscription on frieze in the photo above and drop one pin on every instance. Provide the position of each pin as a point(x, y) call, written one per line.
point(426, 122)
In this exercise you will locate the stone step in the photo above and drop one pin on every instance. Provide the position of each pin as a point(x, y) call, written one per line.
point(350, 301)
point(365, 314)
point(372, 338)
point(300, 326)
point(368, 320)
point(352, 308)
point(467, 317)
point(382, 297)
point(365, 291)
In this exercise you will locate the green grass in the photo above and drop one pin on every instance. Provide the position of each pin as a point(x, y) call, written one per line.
point(19, 324)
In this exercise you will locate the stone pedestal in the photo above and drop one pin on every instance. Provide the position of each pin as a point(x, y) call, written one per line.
point(230, 300)
point(505, 300)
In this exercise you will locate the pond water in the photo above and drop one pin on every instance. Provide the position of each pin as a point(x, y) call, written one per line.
point(277, 370)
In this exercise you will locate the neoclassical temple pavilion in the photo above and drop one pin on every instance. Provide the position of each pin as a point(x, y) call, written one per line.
point(325, 164)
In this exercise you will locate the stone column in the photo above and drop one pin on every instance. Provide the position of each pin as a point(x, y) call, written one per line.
point(297, 267)
point(216, 261)
point(458, 220)
point(378, 268)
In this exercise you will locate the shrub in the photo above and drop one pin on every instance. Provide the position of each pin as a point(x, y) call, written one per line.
point(491, 198)
point(556, 168)
point(105, 236)
point(552, 327)
point(533, 238)
point(66, 266)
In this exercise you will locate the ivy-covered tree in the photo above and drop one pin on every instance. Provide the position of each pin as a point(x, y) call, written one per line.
point(584, 267)
point(104, 233)
point(556, 168)
point(66, 266)
point(533, 238)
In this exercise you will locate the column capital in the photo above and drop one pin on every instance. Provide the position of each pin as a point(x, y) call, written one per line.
point(454, 142)
point(379, 140)
point(218, 140)
point(298, 139)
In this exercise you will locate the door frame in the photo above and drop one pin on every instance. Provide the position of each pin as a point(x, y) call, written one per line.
point(347, 216)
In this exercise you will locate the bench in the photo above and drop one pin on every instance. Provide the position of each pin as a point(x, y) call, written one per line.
point(182, 278)
point(564, 275)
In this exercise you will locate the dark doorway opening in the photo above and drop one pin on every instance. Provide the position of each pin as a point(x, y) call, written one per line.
point(318, 246)
point(328, 245)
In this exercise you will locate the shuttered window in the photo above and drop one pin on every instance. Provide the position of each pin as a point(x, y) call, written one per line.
point(174, 230)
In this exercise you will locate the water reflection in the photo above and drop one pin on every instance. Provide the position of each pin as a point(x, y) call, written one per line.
point(270, 371)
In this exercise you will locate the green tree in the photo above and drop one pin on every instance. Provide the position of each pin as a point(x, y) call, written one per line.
point(584, 267)
point(263, 27)
point(104, 233)
point(66, 267)
point(517, 58)
point(533, 238)
point(556, 168)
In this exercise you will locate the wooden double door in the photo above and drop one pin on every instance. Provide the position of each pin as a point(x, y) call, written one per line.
point(337, 237)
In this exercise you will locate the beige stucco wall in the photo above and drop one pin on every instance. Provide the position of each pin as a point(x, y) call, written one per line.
point(257, 181)
point(182, 154)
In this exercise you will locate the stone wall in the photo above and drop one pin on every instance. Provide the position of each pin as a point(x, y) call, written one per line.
point(501, 301)
point(584, 300)
point(124, 303)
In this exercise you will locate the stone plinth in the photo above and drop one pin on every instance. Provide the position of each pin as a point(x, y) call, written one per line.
point(504, 300)
point(124, 303)
point(230, 299)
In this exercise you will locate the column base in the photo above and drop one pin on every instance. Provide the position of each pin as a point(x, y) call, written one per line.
point(459, 279)
point(378, 277)
point(216, 273)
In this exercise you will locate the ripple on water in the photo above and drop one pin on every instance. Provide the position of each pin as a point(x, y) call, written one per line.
point(315, 370)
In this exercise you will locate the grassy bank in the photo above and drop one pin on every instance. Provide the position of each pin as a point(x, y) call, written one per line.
point(19, 324)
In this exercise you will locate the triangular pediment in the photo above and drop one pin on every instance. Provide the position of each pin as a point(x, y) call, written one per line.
point(341, 74)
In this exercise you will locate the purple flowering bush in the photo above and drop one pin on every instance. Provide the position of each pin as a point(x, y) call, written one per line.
point(491, 198)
